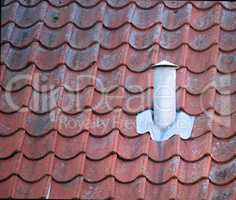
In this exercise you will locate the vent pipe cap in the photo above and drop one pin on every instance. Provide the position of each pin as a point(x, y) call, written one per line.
point(165, 63)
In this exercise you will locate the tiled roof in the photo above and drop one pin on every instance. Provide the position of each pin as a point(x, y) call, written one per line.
point(84, 144)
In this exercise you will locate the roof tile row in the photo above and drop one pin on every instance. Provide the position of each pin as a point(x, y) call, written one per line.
point(102, 124)
point(123, 170)
point(123, 3)
point(114, 18)
point(112, 39)
point(108, 60)
point(35, 148)
point(109, 188)
point(108, 81)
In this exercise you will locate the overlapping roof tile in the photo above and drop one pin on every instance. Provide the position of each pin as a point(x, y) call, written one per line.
point(77, 72)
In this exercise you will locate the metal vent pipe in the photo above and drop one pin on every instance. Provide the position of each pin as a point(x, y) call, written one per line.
point(164, 94)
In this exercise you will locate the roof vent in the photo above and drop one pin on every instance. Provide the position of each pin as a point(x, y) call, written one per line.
point(164, 122)
point(164, 94)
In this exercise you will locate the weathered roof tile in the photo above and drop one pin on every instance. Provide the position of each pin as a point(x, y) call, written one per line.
point(79, 71)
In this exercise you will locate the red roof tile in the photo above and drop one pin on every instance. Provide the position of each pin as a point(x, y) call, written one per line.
point(81, 70)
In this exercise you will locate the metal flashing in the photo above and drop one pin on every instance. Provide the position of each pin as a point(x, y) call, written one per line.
point(182, 126)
